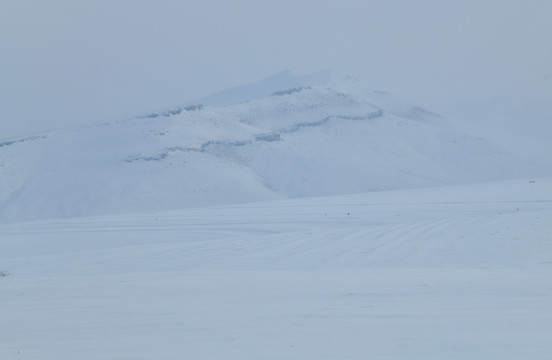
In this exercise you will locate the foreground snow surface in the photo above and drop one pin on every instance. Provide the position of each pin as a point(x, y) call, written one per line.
point(444, 273)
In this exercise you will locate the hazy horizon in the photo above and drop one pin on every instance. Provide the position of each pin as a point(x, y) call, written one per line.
point(67, 63)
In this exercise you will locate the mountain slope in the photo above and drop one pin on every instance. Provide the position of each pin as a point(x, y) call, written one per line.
point(323, 138)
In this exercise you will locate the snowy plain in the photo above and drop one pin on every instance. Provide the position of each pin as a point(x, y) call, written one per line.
point(454, 272)
point(311, 222)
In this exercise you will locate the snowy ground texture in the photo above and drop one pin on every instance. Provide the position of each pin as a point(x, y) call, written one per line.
point(458, 272)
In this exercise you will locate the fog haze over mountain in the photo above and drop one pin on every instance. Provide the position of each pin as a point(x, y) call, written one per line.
point(66, 63)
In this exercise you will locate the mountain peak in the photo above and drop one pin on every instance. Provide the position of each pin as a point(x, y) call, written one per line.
point(278, 82)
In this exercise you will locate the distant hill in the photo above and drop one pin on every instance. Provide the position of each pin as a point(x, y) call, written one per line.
point(284, 137)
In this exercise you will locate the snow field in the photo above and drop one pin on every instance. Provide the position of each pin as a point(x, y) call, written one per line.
point(453, 272)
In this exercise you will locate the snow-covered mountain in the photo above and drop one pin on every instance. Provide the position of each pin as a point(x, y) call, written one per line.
point(284, 137)
point(448, 272)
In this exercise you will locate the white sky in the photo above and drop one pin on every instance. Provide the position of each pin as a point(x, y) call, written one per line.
point(74, 62)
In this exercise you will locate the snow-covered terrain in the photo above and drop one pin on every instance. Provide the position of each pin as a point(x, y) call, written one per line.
point(459, 272)
point(314, 135)
point(294, 218)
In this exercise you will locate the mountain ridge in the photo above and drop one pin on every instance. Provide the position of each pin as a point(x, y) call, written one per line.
point(314, 138)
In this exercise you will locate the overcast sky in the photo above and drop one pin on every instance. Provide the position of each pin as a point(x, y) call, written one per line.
point(74, 62)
